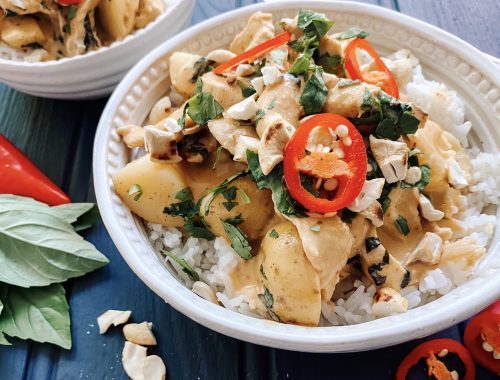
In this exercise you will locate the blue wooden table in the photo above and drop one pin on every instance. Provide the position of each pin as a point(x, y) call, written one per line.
point(58, 137)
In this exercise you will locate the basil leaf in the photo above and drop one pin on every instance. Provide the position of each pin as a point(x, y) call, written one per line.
point(301, 64)
point(246, 90)
point(259, 115)
point(274, 234)
point(373, 271)
point(330, 63)
point(198, 230)
point(352, 33)
point(186, 268)
point(39, 249)
point(201, 66)
point(371, 243)
point(344, 82)
point(275, 182)
point(71, 12)
point(348, 215)
point(402, 225)
point(387, 129)
point(239, 240)
point(406, 279)
point(3, 340)
point(201, 108)
point(396, 118)
point(408, 123)
point(39, 314)
point(313, 96)
point(87, 220)
point(313, 24)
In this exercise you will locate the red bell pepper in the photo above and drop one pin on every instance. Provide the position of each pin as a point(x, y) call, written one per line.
point(436, 368)
point(349, 171)
point(19, 176)
point(482, 338)
point(254, 53)
point(381, 77)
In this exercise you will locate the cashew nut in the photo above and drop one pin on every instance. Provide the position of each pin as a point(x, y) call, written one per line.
point(133, 359)
point(204, 291)
point(112, 317)
point(132, 135)
point(140, 333)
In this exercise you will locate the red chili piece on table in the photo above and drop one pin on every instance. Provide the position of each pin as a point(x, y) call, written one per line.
point(436, 368)
point(19, 176)
point(482, 337)
point(254, 53)
point(349, 171)
point(382, 76)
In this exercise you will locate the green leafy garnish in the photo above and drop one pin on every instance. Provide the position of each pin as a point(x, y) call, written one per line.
point(71, 12)
point(89, 39)
point(270, 106)
point(201, 108)
point(424, 179)
point(313, 24)
point(344, 82)
point(402, 225)
point(275, 182)
point(274, 234)
point(307, 183)
point(371, 243)
point(261, 269)
point(302, 64)
point(348, 215)
point(189, 211)
point(259, 115)
point(229, 195)
point(239, 240)
point(246, 90)
point(236, 221)
point(396, 118)
point(244, 196)
point(406, 279)
point(217, 157)
point(373, 271)
point(313, 96)
point(213, 192)
point(331, 64)
point(268, 301)
point(135, 191)
point(352, 33)
point(186, 268)
point(201, 66)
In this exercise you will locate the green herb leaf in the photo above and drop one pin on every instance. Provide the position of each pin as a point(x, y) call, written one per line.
point(89, 40)
point(301, 64)
point(38, 249)
point(186, 268)
point(229, 195)
point(348, 215)
point(308, 183)
point(385, 259)
point(71, 12)
point(236, 221)
point(136, 191)
point(201, 66)
point(246, 90)
point(268, 301)
point(261, 269)
point(330, 63)
point(239, 240)
point(352, 33)
point(313, 24)
point(406, 279)
point(424, 179)
point(373, 271)
point(217, 157)
point(270, 106)
point(313, 96)
point(244, 196)
point(201, 108)
point(213, 192)
point(198, 229)
point(274, 234)
point(371, 243)
point(185, 194)
point(259, 115)
point(396, 118)
point(199, 86)
point(39, 314)
point(9, 13)
point(274, 181)
point(402, 225)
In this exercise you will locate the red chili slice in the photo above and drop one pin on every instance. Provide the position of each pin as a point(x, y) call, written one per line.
point(482, 337)
point(349, 171)
point(254, 53)
point(19, 176)
point(382, 76)
point(436, 368)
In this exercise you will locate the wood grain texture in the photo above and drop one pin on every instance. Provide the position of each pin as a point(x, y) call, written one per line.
point(58, 137)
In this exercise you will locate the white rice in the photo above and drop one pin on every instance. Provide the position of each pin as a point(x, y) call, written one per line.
point(19, 55)
point(215, 260)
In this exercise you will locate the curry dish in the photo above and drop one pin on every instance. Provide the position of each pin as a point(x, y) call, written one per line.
point(300, 151)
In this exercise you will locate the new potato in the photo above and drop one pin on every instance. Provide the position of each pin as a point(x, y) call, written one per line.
point(118, 17)
point(182, 72)
point(159, 184)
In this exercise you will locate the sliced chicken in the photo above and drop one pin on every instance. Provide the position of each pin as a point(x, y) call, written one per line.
point(347, 100)
point(259, 29)
point(227, 131)
point(80, 39)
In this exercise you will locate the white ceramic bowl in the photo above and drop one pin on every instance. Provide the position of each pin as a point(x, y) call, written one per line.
point(98, 72)
point(442, 55)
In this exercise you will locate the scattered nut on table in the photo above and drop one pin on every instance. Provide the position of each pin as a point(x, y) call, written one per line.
point(133, 358)
point(112, 317)
point(140, 333)
point(154, 368)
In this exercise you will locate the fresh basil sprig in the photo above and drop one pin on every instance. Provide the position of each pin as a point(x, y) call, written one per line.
point(352, 33)
point(201, 108)
point(314, 95)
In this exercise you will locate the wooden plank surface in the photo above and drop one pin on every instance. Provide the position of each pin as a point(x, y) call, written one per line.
point(58, 137)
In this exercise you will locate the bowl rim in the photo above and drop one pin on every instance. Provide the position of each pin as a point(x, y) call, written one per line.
point(292, 337)
point(174, 7)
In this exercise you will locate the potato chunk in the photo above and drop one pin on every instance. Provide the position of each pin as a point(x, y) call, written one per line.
point(118, 17)
point(182, 72)
point(291, 281)
point(158, 182)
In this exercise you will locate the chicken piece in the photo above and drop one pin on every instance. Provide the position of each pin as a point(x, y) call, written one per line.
point(148, 11)
point(182, 72)
point(428, 251)
point(226, 94)
point(381, 266)
point(244, 144)
point(161, 110)
point(281, 98)
point(402, 229)
point(258, 29)
point(19, 31)
point(276, 135)
point(24, 7)
point(391, 157)
point(347, 101)
point(387, 301)
point(82, 38)
point(227, 131)
point(132, 135)
point(374, 213)
point(331, 45)
point(359, 227)
point(327, 248)
point(161, 145)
